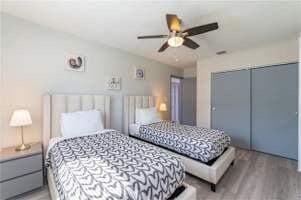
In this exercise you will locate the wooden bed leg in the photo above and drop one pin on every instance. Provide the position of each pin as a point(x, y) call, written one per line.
point(213, 187)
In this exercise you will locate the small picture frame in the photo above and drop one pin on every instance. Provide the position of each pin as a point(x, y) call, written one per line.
point(76, 63)
point(113, 83)
point(139, 73)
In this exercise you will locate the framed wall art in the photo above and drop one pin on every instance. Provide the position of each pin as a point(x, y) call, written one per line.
point(139, 73)
point(76, 63)
point(113, 83)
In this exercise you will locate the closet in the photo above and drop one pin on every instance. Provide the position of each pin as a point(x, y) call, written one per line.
point(258, 108)
point(230, 105)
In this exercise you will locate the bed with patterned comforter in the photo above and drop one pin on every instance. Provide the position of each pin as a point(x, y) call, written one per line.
point(111, 165)
point(198, 143)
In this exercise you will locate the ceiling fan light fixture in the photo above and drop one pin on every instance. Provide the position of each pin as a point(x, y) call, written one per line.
point(178, 37)
point(175, 41)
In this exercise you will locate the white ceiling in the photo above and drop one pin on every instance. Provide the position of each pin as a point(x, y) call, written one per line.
point(118, 23)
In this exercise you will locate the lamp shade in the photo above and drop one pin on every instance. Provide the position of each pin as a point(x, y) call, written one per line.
point(20, 118)
point(163, 107)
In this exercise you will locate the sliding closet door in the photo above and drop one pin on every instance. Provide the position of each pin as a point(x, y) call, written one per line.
point(230, 105)
point(274, 110)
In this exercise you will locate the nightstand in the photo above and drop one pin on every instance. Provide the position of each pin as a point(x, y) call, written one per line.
point(20, 171)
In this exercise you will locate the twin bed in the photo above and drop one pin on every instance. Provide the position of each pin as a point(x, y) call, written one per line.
point(205, 152)
point(106, 164)
point(109, 164)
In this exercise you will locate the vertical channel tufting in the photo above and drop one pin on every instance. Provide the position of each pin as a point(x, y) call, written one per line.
point(130, 103)
point(138, 102)
point(46, 122)
point(99, 105)
point(132, 110)
point(73, 103)
point(87, 102)
point(151, 101)
point(145, 101)
point(126, 114)
point(107, 118)
point(58, 106)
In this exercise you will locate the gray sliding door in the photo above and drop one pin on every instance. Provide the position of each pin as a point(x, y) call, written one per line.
point(230, 105)
point(274, 110)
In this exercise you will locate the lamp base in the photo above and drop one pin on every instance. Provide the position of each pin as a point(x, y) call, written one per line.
point(22, 147)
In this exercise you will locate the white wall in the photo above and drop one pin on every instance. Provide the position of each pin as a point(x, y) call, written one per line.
point(189, 72)
point(286, 51)
point(34, 60)
point(299, 165)
point(1, 84)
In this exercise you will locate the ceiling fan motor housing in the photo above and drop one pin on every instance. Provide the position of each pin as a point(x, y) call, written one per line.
point(175, 34)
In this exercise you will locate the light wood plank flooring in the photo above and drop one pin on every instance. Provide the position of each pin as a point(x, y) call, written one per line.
point(255, 176)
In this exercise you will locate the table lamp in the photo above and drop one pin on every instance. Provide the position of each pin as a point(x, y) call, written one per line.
point(21, 118)
point(162, 107)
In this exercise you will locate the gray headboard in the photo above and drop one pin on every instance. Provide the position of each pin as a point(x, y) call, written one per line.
point(130, 103)
point(55, 104)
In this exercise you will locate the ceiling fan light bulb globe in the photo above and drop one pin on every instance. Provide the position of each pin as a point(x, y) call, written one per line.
point(175, 41)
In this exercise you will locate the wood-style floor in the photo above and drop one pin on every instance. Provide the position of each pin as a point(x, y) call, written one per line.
point(254, 176)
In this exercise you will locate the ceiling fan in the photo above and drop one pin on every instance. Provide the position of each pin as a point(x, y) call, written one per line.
point(177, 37)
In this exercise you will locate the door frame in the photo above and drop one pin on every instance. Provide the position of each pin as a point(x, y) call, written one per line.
point(178, 77)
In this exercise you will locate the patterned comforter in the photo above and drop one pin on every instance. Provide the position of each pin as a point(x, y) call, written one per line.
point(110, 165)
point(198, 143)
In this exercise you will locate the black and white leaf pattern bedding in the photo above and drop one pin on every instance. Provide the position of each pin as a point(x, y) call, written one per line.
point(198, 143)
point(111, 165)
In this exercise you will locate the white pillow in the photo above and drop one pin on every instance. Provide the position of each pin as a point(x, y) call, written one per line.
point(147, 115)
point(81, 123)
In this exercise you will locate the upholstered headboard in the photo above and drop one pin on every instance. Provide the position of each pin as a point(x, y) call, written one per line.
point(130, 103)
point(55, 104)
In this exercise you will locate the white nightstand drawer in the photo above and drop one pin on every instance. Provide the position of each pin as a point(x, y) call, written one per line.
point(20, 166)
point(20, 185)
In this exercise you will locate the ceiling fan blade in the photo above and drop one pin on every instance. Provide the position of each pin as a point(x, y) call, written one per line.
point(201, 29)
point(190, 43)
point(173, 22)
point(163, 47)
point(152, 36)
